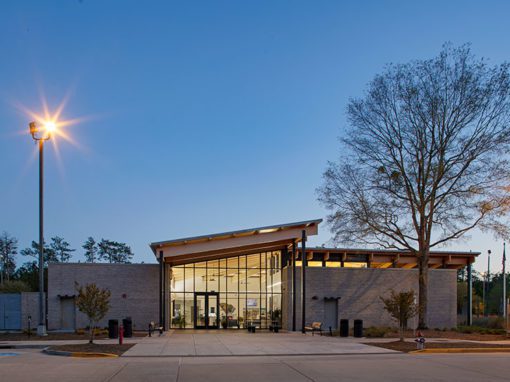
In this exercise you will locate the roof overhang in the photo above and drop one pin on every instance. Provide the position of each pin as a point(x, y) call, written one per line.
point(234, 242)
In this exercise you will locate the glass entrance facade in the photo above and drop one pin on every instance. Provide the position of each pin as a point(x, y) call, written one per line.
point(232, 292)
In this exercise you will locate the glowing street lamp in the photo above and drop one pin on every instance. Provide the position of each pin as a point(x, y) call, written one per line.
point(41, 132)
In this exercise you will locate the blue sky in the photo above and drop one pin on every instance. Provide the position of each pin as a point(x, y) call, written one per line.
point(201, 117)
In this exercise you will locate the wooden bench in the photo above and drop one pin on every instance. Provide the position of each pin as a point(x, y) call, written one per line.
point(316, 327)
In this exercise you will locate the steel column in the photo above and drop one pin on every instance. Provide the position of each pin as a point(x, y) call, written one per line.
point(161, 264)
point(293, 286)
point(469, 296)
point(304, 263)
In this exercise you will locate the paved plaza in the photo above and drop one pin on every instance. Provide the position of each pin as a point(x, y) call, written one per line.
point(241, 343)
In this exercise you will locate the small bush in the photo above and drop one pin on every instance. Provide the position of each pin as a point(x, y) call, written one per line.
point(479, 330)
point(377, 332)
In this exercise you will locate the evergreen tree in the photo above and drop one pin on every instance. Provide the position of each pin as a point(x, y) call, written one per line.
point(61, 249)
point(114, 252)
point(33, 251)
point(8, 250)
point(91, 250)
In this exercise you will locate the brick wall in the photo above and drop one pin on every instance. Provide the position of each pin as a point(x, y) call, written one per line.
point(134, 291)
point(29, 307)
point(359, 291)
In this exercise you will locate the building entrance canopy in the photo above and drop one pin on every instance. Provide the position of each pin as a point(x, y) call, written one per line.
point(199, 248)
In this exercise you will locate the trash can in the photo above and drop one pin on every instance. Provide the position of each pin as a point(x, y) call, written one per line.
point(358, 328)
point(127, 323)
point(113, 328)
point(344, 328)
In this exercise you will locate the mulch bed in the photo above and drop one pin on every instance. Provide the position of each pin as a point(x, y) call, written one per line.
point(56, 336)
point(94, 348)
point(453, 335)
point(410, 346)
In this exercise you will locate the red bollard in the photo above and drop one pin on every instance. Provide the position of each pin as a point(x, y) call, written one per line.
point(121, 335)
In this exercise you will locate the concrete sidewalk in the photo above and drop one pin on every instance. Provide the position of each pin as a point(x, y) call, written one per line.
point(214, 344)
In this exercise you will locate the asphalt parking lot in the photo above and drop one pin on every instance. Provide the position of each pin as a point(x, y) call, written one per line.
point(32, 365)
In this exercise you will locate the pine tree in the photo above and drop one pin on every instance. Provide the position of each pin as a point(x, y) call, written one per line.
point(91, 250)
point(8, 250)
point(61, 249)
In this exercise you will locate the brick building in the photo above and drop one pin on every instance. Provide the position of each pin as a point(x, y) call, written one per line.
point(252, 277)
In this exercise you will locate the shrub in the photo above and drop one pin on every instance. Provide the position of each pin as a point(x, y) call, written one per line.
point(15, 286)
point(377, 332)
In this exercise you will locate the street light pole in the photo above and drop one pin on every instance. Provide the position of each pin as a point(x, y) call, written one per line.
point(41, 328)
point(46, 131)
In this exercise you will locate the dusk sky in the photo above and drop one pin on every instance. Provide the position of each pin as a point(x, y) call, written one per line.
point(201, 117)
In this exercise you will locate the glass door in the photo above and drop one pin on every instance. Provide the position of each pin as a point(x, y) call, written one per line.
point(200, 310)
point(212, 307)
point(206, 310)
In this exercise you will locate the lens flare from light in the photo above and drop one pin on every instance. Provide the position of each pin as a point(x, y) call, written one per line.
point(50, 126)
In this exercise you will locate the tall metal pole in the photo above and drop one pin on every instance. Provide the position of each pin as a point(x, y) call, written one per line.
point(293, 286)
point(470, 296)
point(487, 285)
point(41, 329)
point(504, 282)
point(304, 262)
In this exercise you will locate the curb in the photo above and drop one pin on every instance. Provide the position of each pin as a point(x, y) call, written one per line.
point(461, 350)
point(78, 354)
point(23, 346)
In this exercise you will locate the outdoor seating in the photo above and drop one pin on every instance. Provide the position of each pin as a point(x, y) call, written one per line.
point(316, 327)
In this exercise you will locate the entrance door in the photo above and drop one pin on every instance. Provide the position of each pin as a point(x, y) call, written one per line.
point(206, 310)
point(68, 314)
point(330, 314)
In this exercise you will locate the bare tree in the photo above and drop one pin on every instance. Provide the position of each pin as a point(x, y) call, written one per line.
point(425, 159)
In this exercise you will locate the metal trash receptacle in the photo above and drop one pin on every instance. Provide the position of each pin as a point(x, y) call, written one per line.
point(358, 328)
point(127, 323)
point(344, 328)
point(113, 329)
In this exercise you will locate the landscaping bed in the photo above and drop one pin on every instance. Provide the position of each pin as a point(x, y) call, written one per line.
point(58, 336)
point(406, 347)
point(115, 349)
point(474, 335)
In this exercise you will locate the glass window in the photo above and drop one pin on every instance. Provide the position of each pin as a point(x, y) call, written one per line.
point(189, 303)
point(232, 277)
point(253, 284)
point(232, 262)
point(242, 311)
point(248, 286)
point(242, 280)
point(177, 310)
point(213, 279)
point(333, 264)
point(253, 261)
point(177, 283)
point(354, 265)
point(315, 263)
point(253, 309)
point(200, 279)
point(223, 279)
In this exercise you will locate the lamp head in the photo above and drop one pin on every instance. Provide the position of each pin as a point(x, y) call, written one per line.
point(33, 128)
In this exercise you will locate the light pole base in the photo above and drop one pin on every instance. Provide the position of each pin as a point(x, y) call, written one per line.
point(41, 330)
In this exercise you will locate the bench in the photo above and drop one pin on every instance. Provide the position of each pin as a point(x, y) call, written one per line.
point(316, 327)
